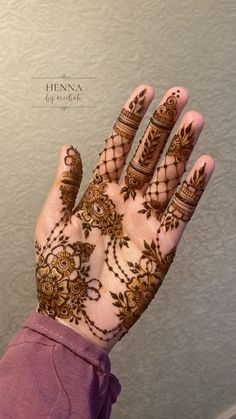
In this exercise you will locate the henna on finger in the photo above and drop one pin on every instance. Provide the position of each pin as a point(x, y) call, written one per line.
point(140, 169)
point(69, 184)
point(185, 202)
point(169, 173)
point(71, 180)
point(118, 144)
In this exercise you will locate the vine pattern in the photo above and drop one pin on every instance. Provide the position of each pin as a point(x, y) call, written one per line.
point(140, 169)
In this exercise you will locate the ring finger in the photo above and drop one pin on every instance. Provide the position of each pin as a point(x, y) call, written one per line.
point(168, 175)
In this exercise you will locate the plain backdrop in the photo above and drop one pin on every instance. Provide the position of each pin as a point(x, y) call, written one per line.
point(179, 360)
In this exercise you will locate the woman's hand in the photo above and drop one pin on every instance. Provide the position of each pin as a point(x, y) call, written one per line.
point(100, 263)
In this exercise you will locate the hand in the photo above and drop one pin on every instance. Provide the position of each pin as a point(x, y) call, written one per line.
point(100, 263)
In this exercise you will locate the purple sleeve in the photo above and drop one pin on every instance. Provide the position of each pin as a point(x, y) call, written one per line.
point(50, 371)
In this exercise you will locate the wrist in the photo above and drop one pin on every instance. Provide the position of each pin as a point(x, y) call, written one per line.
point(82, 330)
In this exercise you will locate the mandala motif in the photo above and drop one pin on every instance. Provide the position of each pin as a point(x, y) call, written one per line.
point(52, 289)
point(97, 210)
point(96, 207)
point(62, 292)
point(64, 263)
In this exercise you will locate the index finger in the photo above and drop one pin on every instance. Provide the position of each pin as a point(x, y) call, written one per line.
point(117, 146)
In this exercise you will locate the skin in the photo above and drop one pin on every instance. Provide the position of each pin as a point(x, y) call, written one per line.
point(99, 263)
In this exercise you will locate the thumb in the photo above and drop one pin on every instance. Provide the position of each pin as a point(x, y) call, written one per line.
point(62, 196)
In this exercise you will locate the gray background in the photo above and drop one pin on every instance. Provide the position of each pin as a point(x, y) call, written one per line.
point(179, 361)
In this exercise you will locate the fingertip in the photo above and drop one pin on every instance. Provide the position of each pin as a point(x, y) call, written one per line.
point(65, 147)
point(69, 160)
point(62, 151)
point(181, 93)
point(143, 95)
point(197, 121)
point(208, 161)
point(150, 92)
point(195, 116)
point(174, 100)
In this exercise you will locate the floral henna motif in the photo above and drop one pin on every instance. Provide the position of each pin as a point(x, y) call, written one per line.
point(96, 210)
point(118, 144)
point(154, 209)
point(63, 284)
point(146, 278)
point(62, 268)
point(185, 202)
point(182, 144)
point(140, 281)
point(140, 169)
point(169, 173)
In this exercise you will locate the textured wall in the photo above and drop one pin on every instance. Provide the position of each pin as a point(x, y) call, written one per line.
point(179, 361)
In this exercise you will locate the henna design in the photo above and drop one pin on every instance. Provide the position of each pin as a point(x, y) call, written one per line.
point(62, 270)
point(143, 285)
point(182, 144)
point(113, 157)
point(71, 180)
point(169, 173)
point(136, 105)
point(140, 169)
point(96, 209)
point(70, 183)
point(153, 208)
point(186, 200)
point(149, 147)
point(63, 287)
point(138, 173)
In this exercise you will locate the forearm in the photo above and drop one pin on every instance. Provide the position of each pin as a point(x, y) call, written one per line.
point(50, 370)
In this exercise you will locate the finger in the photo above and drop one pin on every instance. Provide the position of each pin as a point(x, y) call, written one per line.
point(168, 175)
point(62, 196)
point(150, 147)
point(183, 206)
point(118, 144)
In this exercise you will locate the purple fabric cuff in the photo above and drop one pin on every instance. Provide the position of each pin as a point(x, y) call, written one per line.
point(76, 343)
point(49, 370)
